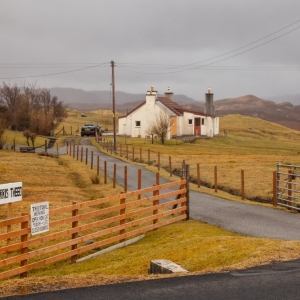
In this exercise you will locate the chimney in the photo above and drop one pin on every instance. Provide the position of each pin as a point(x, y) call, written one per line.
point(209, 107)
point(152, 91)
point(151, 96)
point(169, 94)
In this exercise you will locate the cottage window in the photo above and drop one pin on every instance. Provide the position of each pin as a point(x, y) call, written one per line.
point(202, 121)
point(137, 123)
point(190, 121)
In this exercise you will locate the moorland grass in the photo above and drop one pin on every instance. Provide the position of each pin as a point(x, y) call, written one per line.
point(196, 246)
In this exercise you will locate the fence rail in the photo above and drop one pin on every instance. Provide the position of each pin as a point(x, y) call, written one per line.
point(103, 221)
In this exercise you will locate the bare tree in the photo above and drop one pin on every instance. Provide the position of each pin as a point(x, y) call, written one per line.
point(161, 126)
point(31, 109)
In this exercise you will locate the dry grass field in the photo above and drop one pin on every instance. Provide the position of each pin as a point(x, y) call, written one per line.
point(251, 144)
point(198, 247)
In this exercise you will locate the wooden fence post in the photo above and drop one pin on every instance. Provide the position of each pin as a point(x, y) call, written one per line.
point(77, 151)
point(198, 175)
point(67, 147)
point(15, 145)
point(24, 238)
point(92, 160)
point(9, 214)
point(243, 184)
point(73, 150)
point(216, 179)
point(70, 149)
point(139, 181)
point(170, 166)
point(155, 202)
point(182, 186)
point(122, 221)
point(86, 155)
point(75, 234)
point(187, 185)
point(148, 157)
point(98, 164)
point(125, 179)
point(158, 161)
point(81, 154)
point(132, 153)
point(105, 172)
point(115, 176)
point(157, 179)
point(274, 188)
point(46, 146)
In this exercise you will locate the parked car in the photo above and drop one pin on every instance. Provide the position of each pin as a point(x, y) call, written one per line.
point(90, 129)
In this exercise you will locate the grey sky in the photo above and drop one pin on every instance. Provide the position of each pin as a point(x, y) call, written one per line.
point(144, 36)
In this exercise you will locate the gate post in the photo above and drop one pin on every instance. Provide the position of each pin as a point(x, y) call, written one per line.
point(274, 188)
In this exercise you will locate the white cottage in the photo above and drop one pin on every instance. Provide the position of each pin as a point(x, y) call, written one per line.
point(184, 122)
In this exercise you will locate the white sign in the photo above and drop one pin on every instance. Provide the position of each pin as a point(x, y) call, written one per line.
point(39, 217)
point(10, 192)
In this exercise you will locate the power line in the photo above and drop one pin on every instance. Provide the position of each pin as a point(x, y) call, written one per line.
point(57, 73)
point(195, 67)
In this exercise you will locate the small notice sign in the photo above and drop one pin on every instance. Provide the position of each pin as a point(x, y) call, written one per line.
point(10, 192)
point(39, 217)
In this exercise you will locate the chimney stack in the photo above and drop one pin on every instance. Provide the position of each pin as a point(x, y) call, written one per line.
point(169, 94)
point(209, 107)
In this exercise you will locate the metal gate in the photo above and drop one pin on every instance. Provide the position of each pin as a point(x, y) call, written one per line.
point(288, 186)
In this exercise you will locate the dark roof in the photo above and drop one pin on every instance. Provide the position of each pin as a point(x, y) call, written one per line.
point(176, 108)
point(173, 106)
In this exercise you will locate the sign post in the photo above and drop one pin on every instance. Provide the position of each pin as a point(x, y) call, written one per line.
point(39, 217)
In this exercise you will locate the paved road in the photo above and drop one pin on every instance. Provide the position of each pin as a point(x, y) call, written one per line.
point(273, 282)
point(238, 217)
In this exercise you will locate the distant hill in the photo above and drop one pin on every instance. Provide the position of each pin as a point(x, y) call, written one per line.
point(92, 100)
point(284, 113)
point(294, 99)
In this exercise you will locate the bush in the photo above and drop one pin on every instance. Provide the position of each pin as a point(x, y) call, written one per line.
point(95, 179)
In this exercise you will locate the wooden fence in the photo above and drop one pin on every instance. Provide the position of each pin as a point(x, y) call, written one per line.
point(200, 174)
point(80, 228)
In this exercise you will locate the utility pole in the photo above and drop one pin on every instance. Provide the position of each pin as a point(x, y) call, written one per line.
point(114, 104)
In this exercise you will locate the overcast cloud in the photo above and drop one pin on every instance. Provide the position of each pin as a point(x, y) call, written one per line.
point(146, 38)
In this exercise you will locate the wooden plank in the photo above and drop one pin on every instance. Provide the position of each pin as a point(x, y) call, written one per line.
point(14, 234)
point(13, 221)
point(156, 197)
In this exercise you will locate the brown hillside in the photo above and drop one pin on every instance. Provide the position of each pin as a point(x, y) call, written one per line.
point(284, 114)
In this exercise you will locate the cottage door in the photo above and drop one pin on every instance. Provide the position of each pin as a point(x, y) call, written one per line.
point(197, 126)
